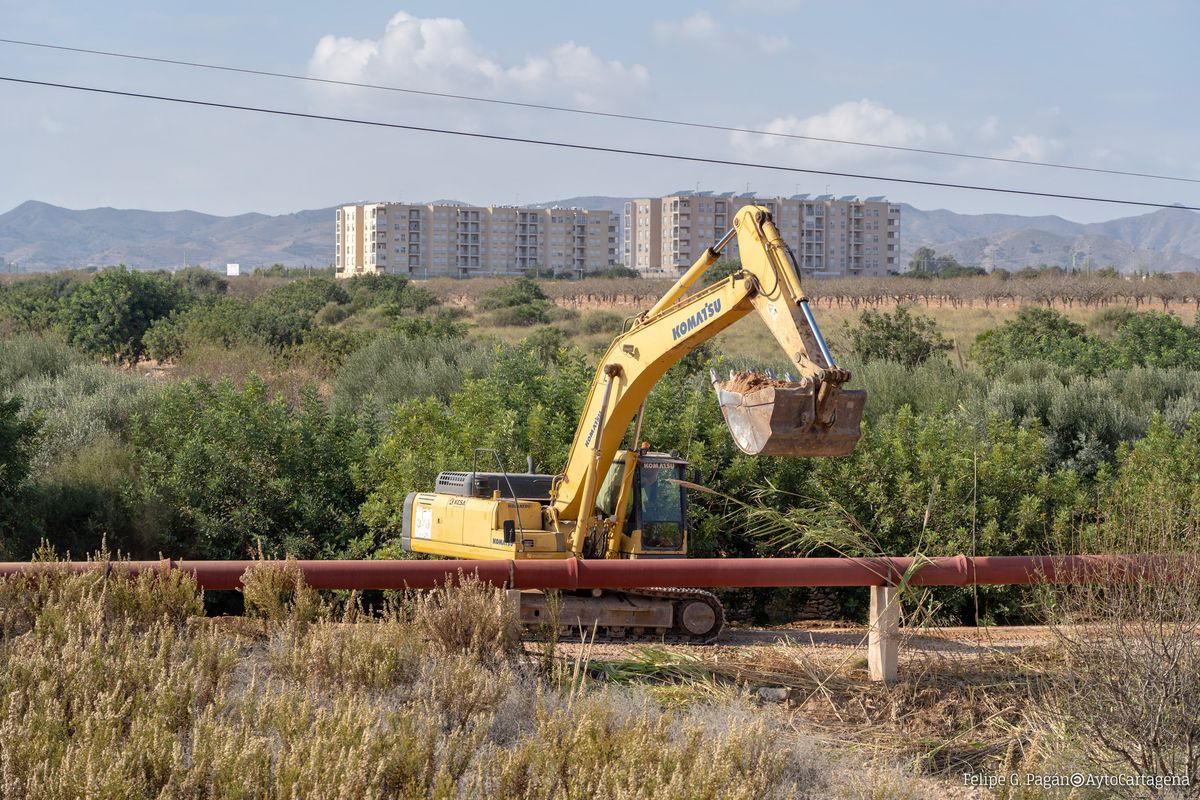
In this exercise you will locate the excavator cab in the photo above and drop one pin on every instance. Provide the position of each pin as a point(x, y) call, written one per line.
point(647, 504)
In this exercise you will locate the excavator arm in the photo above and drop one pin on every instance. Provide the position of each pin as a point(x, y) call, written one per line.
point(812, 416)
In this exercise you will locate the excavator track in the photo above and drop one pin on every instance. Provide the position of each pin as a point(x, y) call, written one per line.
point(658, 615)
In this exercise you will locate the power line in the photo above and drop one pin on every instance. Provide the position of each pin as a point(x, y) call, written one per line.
point(608, 114)
point(592, 147)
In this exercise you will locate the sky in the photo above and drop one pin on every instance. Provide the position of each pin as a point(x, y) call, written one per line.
point(1101, 84)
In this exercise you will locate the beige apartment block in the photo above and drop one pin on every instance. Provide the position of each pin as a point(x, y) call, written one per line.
point(642, 235)
point(842, 236)
point(461, 241)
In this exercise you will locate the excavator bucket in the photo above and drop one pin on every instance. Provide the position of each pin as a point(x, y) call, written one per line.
point(769, 417)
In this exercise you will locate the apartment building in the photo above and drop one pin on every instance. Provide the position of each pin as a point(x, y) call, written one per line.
point(842, 236)
point(460, 241)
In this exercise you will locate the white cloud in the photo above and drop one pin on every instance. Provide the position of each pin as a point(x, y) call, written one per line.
point(1031, 147)
point(858, 121)
point(440, 54)
point(702, 28)
point(50, 125)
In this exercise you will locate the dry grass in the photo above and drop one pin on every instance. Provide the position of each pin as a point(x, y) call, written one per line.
point(115, 687)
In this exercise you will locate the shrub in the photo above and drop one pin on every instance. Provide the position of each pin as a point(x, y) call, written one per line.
point(721, 270)
point(110, 314)
point(522, 406)
point(33, 304)
point(201, 281)
point(1040, 334)
point(615, 271)
point(472, 619)
point(282, 316)
point(1138, 633)
point(17, 442)
point(223, 321)
point(235, 471)
point(594, 322)
point(396, 367)
point(520, 316)
point(549, 344)
point(83, 404)
point(32, 356)
point(1151, 339)
point(394, 292)
point(519, 292)
point(901, 336)
point(277, 591)
point(518, 303)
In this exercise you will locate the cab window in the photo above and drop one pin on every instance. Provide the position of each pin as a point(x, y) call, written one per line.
point(660, 510)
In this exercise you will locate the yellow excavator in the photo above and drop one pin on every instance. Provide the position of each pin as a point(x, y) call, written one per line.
point(610, 502)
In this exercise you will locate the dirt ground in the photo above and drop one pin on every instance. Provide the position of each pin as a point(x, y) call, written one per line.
point(841, 641)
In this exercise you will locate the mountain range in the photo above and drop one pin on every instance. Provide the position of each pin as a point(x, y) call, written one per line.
point(39, 236)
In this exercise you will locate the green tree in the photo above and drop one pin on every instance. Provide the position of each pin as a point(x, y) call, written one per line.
point(18, 441)
point(231, 470)
point(522, 406)
point(1158, 340)
point(109, 315)
point(721, 270)
point(1041, 334)
point(517, 303)
point(904, 337)
point(32, 304)
point(615, 271)
point(923, 260)
point(282, 316)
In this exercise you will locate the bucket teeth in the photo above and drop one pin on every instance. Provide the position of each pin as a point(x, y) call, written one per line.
point(770, 417)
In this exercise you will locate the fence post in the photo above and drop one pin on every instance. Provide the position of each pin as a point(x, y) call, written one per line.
point(883, 639)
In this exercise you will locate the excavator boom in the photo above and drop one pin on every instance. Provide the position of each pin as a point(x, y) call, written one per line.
point(810, 416)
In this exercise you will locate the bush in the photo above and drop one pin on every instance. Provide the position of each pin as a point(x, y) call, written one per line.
point(1040, 334)
point(109, 314)
point(594, 322)
point(721, 270)
point(521, 316)
point(520, 292)
point(522, 406)
point(616, 271)
point(1151, 339)
point(901, 336)
point(223, 321)
point(17, 442)
point(33, 304)
point(277, 591)
point(84, 404)
point(393, 292)
point(518, 303)
point(237, 472)
point(396, 367)
point(201, 281)
point(31, 356)
point(283, 315)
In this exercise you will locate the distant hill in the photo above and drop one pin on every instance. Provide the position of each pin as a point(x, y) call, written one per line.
point(39, 236)
point(1164, 240)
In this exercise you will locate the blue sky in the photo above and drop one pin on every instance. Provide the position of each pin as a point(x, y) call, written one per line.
point(1111, 85)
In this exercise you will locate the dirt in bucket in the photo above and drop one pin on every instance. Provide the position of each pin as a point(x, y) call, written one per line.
point(743, 382)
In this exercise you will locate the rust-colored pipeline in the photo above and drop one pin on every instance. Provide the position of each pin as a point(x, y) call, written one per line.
point(694, 572)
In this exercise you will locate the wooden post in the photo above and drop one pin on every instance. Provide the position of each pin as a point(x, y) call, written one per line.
point(883, 640)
